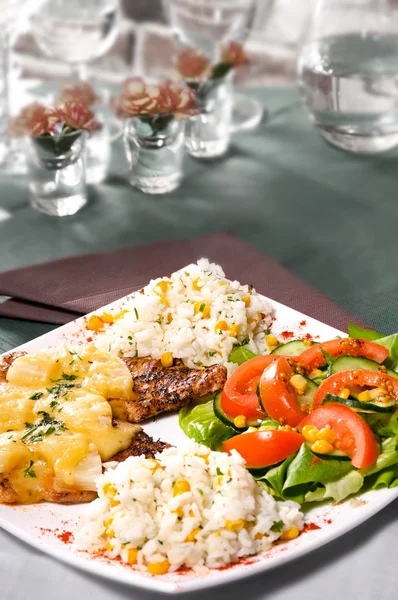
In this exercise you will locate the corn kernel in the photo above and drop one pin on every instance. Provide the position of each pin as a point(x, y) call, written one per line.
point(109, 490)
point(315, 373)
point(299, 383)
point(181, 486)
point(240, 421)
point(163, 286)
point(164, 300)
point(108, 546)
point(110, 533)
point(167, 359)
point(310, 432)
point(364, 396)
point(219, 480)
point(195, 284)
point(206, 312)
point(191, 537)
point(155, 463)
point(234, 525)
point(290, 534)
point(271, 340)
point(345, 392)
point(191, 513)
point(113, 502)
point(108, 522)
point(251, 320)
point(132, 554)
point(307, 342)
point(107, 318)
point(159, 568)
point(322, 447)
point(179, 512)
point(247, 300)
point(259, 536)
point(234, 330)
point(327, 435)
point(221, 326)
point(120, 315)
point(169, 318)
point(94, 323)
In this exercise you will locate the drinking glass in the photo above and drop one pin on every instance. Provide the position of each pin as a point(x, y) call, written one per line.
point(205, 24)
point(12, 158)
point(348, 73)
point(76, 31)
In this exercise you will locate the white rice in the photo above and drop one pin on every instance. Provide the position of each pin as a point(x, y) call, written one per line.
point(184, 318)
point(137, 516)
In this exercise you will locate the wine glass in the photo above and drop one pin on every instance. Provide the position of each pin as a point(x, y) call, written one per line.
point(76, 31)
point(348, 73)
point(12, 158)
point(205, 24)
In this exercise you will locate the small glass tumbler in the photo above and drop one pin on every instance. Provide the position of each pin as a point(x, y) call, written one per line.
point(56, 170)
point(208, 134)
point(154, 148)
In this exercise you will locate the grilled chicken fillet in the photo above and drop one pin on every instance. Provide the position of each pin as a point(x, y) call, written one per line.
point(160, 389)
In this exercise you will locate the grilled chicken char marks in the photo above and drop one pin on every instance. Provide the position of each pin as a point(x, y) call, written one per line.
point(6, 362)
point(141, 444)
point(162, 389)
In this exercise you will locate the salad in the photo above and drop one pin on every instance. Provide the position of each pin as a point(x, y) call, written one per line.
point(313, 421)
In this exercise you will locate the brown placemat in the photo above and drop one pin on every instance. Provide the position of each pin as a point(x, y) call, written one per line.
point(59, 291)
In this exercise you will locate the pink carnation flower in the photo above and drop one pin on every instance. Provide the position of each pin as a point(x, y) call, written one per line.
point(80, 91)
point(232, 52)
point(33, 120)
point(168, 98)
point(78, 116)
point(192, 64)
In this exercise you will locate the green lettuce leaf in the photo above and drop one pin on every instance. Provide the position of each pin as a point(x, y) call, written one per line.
point(309, 468)
point(356, 331)
point(201, 424)
point(268, 422)
point(277, 475)
point(383, 425)
point(337, 490)
point(390, 342)
point(387, 457)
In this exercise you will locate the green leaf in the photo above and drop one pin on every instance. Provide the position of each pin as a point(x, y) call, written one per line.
point(356, 331)
point(387, 457)
point(241, 355)
point(337, 490)
point(220, 70)
point(277, 526)
point(391, 343)
point(201, 424)
point(383, 425)
point(277, 475)
point(268, 422)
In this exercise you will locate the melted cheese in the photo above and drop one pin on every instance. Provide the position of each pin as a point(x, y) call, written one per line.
point(55, 415)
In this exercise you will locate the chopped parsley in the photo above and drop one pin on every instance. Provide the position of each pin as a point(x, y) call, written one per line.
point(212, 353)
point(200, 491)
point(45, 427)
point(277, 526)
point(202, 307)
point(36, 396)
point(54, 404)
point(218, 471)
point(29, 471)
point(136, 313)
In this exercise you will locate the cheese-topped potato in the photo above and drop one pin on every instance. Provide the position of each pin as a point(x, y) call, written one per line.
point(56, 421)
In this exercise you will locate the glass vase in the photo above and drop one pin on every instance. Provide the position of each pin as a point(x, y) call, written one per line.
point(208, 134)
point(154, 148)
point(98, 152)
point(56, 169)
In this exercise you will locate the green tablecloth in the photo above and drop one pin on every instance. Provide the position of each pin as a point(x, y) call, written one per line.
point(330, 217)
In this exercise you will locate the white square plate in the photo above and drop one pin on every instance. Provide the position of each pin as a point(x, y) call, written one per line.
point(49, 527)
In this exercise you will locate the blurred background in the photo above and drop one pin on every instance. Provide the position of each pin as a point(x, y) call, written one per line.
point(145, 45)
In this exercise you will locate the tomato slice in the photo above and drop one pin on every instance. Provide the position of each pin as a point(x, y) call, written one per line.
point(346, 379)
point(277, 396)
point(354, 436)
point(313, 357)
point(264, 448)
point(239, 396)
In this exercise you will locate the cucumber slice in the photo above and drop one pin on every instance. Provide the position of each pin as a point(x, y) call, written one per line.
point(224, 418)
point(293, 348)
point(306, 400)
point(336, 455)
point(348, 363)
point(365, 407)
